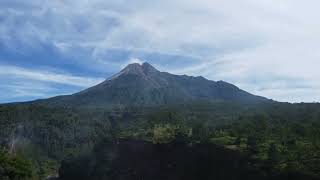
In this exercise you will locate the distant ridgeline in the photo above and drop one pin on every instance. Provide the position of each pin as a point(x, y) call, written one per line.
point(157, 112)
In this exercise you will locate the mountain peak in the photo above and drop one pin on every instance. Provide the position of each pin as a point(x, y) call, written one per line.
point(136, 68)
point(133, 66)
point(142, 84)
point(148, 68)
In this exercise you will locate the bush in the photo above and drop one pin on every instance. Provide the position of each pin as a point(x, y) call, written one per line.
point(15, 167)
point(163, 134)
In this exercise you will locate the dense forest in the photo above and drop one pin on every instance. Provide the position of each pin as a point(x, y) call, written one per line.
point(37, 140)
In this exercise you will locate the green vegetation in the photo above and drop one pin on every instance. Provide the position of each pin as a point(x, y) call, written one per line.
point(15, 167)
point(285, 145)
point(280, 137)
point(163, 133)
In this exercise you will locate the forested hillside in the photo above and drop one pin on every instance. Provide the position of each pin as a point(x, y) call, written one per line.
point(280, 137)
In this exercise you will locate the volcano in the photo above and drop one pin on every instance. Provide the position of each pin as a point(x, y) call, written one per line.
point(144, 85)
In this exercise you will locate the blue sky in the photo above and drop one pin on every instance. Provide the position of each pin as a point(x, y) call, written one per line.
point(54, 47)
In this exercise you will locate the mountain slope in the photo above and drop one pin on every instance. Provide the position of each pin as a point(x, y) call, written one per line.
point(144, 85)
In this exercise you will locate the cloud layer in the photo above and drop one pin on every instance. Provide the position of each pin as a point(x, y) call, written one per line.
point(48, 76)
point(26, 84)
point(267, 47)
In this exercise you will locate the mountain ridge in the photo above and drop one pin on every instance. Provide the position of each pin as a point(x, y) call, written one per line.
point(144, 85)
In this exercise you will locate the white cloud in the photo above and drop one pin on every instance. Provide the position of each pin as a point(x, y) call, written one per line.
point(28, 74)
point(134, 60)
point(248, 42)
point(26, 89)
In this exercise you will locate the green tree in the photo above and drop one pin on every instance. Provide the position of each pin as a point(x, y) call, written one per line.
point(237, 142)
point(273, 154)
point(252, 144)
point(163, 133)
point(15, 167)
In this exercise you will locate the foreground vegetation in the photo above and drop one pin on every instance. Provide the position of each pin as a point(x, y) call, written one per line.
point(274, 137)
point(15, 167)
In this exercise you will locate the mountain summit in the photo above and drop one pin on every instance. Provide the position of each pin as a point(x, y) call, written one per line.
point(142, 84)
point(136, 69)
